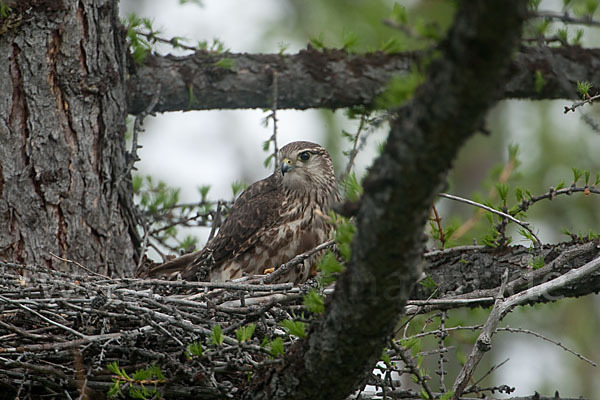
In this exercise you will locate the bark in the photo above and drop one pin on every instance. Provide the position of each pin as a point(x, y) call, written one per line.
point(332, 78)
point(63, 181)
point(476, 271)
point(343, 348)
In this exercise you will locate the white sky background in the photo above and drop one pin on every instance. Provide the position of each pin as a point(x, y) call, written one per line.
point(191, 149)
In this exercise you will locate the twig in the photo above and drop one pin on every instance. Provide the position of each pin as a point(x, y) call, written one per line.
point(274, 116)
point(354, 151)
point(201, 203)
point(565, 17)
point(540, 336)
point(590, 99)
point(454, 328)
point(211, 285)
point(438, 222)
point(507, 329)
point(284, 268)
point(415, 311)
point(525, 225)
point(183, 221)
point(151, 36)
point(494, 367)
point(442, 349)
point(35, 367)
point(503, 389)
point(48, 320)
point(413, 368)
point(552, 193)
point(89, 271)
point(471, 222)
point(22, 332)
point(449, 301)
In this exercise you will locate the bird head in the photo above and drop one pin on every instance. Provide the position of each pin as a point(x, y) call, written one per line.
point(306, 167)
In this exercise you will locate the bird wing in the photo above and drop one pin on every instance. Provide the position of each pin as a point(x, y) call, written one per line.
point(255, 211)
point(171, 267)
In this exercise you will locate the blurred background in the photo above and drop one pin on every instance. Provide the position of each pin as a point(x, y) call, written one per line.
point(216, 148)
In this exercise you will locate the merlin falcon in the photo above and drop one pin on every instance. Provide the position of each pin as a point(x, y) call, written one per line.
point(272, 221)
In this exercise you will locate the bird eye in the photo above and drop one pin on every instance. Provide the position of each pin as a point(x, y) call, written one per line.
point(304, 156)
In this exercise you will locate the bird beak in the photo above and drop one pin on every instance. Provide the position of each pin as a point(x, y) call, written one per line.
point(286, 165)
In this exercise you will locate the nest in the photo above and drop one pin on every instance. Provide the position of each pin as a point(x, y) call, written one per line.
point(65, 335)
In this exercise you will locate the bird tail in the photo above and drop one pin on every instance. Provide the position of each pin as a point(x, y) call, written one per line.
point(172, 267)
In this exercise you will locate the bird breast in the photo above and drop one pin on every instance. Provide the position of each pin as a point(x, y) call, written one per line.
point(302, 228)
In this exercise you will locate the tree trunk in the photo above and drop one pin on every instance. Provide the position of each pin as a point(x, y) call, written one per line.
point(64, 184)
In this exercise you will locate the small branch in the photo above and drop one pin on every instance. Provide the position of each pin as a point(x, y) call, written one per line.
point(151, 36)
point(482, 345)
point(212, 285)
point(415, 307)
point(565, 17)
point(274, 117)
point(442, 349)
point(284, 268)
point(590, 99)
point(354, 151)
point(190, 205)
point(471, 222)
point(407, 360)
point(48, 320)
point(438, 222)
point(525, 225)
point(552, 193)
point(179, 222)
point(494, 367)
point(415, 311)
point(540, 336)
point(89, 271)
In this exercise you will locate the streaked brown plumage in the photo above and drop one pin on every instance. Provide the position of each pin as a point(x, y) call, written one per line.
point(273, 220)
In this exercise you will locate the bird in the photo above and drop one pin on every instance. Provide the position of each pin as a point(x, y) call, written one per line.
point(272, 221)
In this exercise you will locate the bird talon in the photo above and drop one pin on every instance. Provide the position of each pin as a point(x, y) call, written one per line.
point(269, 271)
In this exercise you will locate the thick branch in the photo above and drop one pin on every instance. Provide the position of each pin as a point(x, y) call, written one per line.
point(475, 271)
point(309, 79)
point(330, 79)
point(369, 297)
